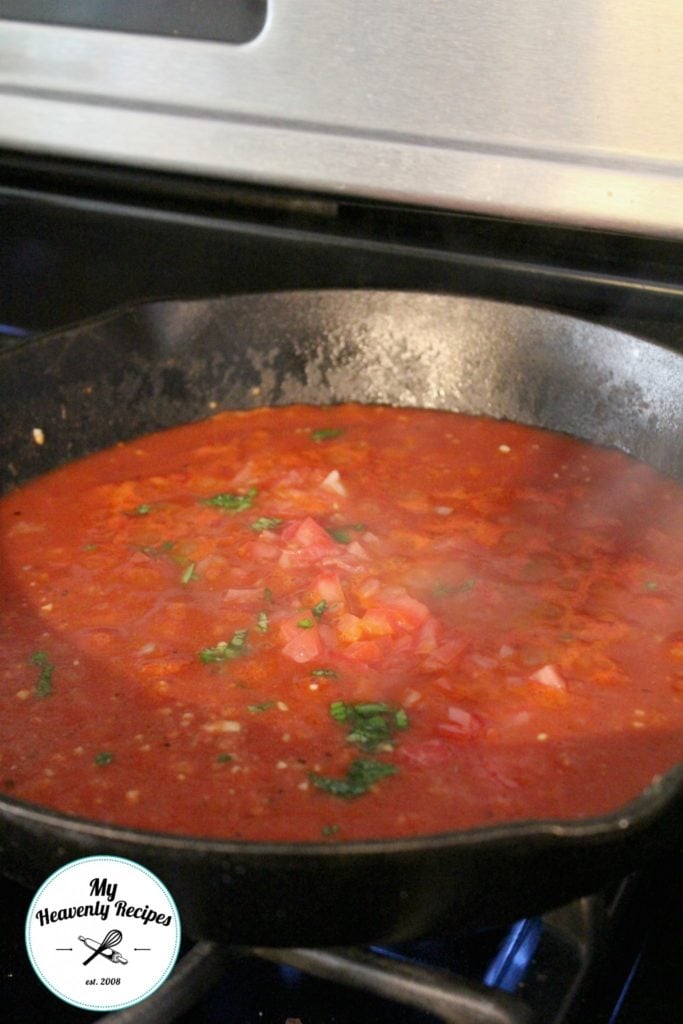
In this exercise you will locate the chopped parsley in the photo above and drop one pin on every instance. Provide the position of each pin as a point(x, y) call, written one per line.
point(268, 595)
point(141, 510)
point(256, 709)
point(370, 724)
point(329, 830)
point(189, 574)
point(401, 719)
point(225, 650)
point(342, 534)
point(650, 585)
point(104, 757)
point(160, 550)
point(229, 502)
point(327, 673)
point(307, 622)
point(266, 523)
point(223, 758)
point(262, 622)
point(44, 681)
point(360, 776)
point(326, 434)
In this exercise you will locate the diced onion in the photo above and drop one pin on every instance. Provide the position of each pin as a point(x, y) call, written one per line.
point(549, 676)
point(333, 483)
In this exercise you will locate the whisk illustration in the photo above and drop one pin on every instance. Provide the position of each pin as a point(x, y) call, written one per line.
point(105, 947)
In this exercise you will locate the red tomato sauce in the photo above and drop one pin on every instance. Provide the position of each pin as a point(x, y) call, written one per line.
point(343, 622)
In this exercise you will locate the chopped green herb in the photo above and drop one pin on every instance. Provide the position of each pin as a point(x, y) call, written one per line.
point(224, 758)
point(44, 681)
point(258, 708)
point(329, 830)
point(160, 550)
point(224, 650)
point(360, 776)
point(371, 724)
point(466, 586)
point(266, 523)
point(104, 757)
point(369, 710)
point(326, 434)
point(650, 585)
point(268, 595)
point(369, 734)
point(141, 510)
point(341, 536)
point(328, 673)
point(228, 502)
point(319, 608)
point(338, 710)
point(305, 623)
point(90, 547)
point(262, 622)
point(189, 574)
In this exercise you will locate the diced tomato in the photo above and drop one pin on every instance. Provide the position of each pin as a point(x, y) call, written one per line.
point(408, 612)
point(299, 558)
point(498, 775)
point(376, 622)
point(349, 628)
point(139, 558)
point(364, 650)
point(428, 754)
point(461, 724)
point(306, 647)
point(265, 551)
point(327, 587)
point(448, 653)
point(310, 534)
point(302, 644)
point(366, 590)
point(427, 637)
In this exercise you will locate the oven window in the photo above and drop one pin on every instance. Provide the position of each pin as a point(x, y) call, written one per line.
point(236, 22)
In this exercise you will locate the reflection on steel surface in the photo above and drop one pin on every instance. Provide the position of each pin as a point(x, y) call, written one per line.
point(505, 109)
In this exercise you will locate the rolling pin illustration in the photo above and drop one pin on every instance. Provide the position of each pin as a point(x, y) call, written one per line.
point(105, 948)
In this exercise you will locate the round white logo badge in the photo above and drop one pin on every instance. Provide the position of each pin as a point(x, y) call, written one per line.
point(103, 933)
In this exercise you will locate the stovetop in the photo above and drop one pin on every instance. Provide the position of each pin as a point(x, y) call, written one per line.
point(78, 240)
point(612, 958)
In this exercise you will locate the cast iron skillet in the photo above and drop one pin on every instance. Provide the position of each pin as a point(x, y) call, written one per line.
point(161, 364)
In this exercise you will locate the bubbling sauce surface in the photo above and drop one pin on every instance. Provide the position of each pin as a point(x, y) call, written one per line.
point(310, 623)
